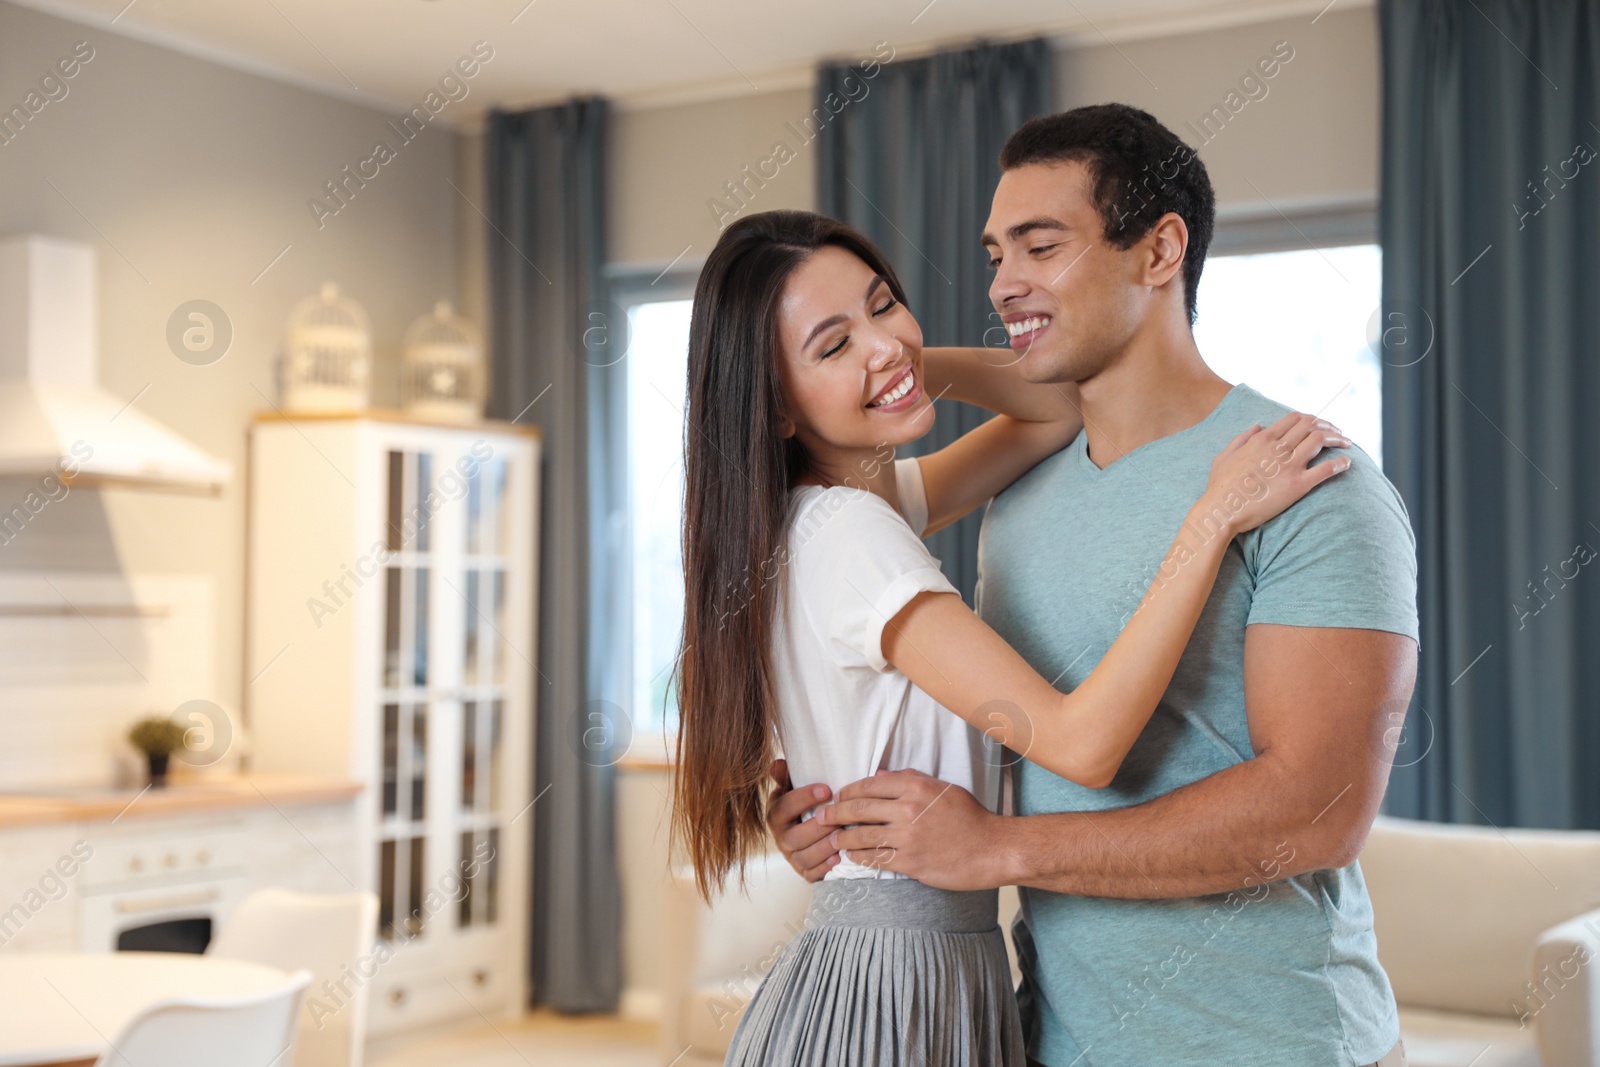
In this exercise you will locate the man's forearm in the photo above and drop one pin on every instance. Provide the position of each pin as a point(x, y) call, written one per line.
point(1253, 821)
point(988, 378)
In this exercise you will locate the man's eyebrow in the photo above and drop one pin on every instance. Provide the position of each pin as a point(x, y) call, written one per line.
point(1022, 229)
point(834, 320)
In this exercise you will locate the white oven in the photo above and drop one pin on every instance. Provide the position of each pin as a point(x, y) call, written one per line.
point(166, 890)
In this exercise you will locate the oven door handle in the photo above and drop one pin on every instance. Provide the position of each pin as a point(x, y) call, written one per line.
point(173, 900)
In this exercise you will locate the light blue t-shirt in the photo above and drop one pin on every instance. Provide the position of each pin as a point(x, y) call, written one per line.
point(1286, 973)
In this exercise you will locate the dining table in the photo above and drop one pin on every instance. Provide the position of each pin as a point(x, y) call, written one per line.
point(68, 1008)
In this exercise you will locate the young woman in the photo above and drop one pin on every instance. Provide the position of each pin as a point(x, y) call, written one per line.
point(802, 560)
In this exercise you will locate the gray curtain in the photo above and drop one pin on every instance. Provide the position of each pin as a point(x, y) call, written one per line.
point(910, 157)
point(1489, 219)
point(546, 182)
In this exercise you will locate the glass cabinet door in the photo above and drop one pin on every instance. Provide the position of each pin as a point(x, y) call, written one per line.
point(444, 704)
point(409, 539)
point(407, 707)
point(483, 650)
point(480, 811)
point(402, 857)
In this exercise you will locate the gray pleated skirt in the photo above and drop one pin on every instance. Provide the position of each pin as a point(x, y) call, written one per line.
point(887, 972)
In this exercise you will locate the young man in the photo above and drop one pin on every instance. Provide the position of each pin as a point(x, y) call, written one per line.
point(1207, 907)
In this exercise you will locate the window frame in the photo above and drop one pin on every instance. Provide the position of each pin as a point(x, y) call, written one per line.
point(627, 287)
point(1258, 231)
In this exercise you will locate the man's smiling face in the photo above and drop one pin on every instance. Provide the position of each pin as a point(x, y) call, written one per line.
point(1070, 300)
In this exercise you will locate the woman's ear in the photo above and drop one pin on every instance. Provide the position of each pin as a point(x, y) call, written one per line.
point(785, 426)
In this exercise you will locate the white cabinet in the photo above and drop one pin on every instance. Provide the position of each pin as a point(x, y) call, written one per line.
point(38, 865)
point(391, 639)
point(168, 876)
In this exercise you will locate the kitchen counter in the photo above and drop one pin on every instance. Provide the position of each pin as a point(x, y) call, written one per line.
point(195, 795)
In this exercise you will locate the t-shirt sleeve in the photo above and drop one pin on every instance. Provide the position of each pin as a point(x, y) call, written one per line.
point(913, 493)
point(1344, 556)
point(859, 564)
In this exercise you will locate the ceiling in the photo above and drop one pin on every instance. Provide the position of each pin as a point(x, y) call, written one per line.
point(390, 53)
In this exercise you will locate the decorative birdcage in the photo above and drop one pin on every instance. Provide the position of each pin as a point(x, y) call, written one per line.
point(441, 368)
point(327, 354)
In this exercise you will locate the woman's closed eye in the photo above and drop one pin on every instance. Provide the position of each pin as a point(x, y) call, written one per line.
point(888, 306)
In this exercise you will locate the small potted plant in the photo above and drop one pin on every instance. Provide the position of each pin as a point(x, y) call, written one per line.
point(158, 737)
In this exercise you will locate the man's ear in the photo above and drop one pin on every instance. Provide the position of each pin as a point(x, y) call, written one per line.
point(1168, 242)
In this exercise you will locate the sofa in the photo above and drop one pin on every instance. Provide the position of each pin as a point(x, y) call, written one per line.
point(1491, 939)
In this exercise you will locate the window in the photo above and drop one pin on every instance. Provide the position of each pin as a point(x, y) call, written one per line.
point(1295, 326)
point(655, 370)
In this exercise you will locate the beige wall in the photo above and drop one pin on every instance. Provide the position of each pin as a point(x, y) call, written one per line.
point(472, 235)
point(1309, 139)
point(667, 163)
point(189, 178)
point(642, 845)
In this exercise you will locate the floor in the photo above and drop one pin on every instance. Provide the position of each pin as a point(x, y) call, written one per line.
point(541, 1039)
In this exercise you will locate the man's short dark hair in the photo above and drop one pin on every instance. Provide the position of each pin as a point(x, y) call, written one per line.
point(1138, 171)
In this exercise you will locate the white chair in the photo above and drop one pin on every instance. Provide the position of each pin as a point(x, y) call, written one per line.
point(1491, 939)
point(256, 1031)
point(332, 937)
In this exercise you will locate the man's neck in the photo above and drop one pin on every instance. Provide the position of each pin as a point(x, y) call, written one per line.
point(1156, 387)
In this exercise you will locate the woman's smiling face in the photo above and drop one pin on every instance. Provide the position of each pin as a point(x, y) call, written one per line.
point(850, 360)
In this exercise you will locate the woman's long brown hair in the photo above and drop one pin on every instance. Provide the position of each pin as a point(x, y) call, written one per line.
point(738, 470)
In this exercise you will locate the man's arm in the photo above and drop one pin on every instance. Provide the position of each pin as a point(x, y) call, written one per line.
point(1320, 703)
point(805, 845)
point(1033, 420)
point(990, 379)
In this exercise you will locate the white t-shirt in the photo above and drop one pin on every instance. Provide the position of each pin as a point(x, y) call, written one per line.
point(844, 711)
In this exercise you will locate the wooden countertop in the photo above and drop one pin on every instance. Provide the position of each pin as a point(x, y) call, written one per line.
point(178, 797)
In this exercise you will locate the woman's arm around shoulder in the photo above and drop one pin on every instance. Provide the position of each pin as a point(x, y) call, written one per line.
point(1033, 420)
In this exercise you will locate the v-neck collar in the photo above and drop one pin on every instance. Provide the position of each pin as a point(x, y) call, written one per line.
point(1092, 471)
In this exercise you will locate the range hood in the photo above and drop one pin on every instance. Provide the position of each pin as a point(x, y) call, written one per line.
point(54, 417)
